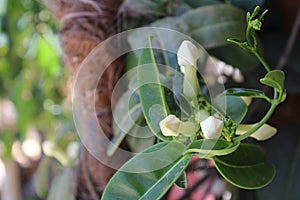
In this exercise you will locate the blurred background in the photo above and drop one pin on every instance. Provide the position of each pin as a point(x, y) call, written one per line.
point(39, 147)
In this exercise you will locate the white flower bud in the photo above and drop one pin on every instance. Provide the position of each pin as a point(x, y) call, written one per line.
point(263, 133)
point(212, 127)
point(172, 126)
point(187, 54)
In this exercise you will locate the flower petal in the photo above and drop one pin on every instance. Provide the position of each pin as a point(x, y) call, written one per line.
point(170, 126)
point(187, 54)
point(212, 127)
point(263, 133)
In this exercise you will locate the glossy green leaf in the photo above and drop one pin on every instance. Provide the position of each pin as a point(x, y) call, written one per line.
point(151, 92)
point(242, 92)
point(149, 174)
point(246, 167)
point(182, 181)
point(275, 79)
point(207, 148)
point(61, 187)
point(231, 106)
point(215, 23)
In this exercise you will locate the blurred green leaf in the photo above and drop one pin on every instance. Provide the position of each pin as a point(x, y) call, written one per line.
point(246, 167)
point(149, 174)
point(47, 56)
point(215, 24)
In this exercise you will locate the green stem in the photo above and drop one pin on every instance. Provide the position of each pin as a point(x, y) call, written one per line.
point(260, 124)
point(263, 62)
point(248, 36)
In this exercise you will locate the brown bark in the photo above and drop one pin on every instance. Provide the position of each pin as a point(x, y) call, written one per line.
point(84, 24)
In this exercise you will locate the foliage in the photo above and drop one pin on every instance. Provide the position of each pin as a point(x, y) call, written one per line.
point(243, 165)
point(33, 79)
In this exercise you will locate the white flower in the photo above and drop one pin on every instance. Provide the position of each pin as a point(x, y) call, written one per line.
point(187, 56)
point(212, 127)
point(172, 126)
point(263, 133)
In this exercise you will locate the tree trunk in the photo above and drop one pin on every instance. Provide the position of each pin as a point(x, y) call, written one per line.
point(84, 24)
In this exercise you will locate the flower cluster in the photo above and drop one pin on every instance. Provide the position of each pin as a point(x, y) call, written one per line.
point(210, 126)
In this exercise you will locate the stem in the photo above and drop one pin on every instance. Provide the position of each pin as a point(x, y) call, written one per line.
point(260, 124)
point(263, 62)
point(248, 36)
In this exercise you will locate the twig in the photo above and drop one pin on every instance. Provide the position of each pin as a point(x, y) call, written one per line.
point(281, 63)
point(291, 41)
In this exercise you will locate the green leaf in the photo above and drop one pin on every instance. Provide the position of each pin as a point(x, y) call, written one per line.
point(275, 79)
point(207, 148)
point(151, 92)
point(246, 167)
point(231, 106)
point(242, 92)
point(215, 23)
point(149, 174)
